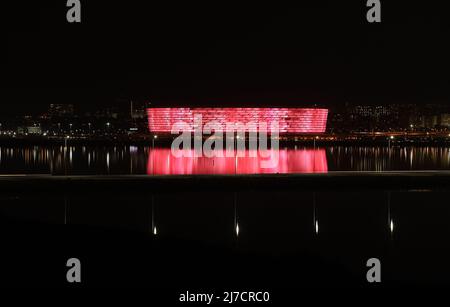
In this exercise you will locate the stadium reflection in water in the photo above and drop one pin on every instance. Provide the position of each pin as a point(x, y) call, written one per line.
point(136, 160)
point(162, 162)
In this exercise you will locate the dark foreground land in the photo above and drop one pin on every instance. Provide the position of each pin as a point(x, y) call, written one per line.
point(108, 222)
point(336, 180)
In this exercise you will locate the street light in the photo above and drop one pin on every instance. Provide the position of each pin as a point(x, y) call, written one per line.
point(65, 141)
point(153, 141)
point(315, 218)
point(154, 229)
point(389, 141)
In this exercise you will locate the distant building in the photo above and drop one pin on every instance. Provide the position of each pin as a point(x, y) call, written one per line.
point(36, 130)
point(430, 116)
point(374, 111)
point(108, 112)
point(445, 120)
point(137, 111)
point(374, 117)
point(434, 121)
point(363, 111)
point(61, 110)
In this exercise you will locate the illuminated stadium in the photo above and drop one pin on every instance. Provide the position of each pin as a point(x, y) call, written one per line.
point(290, 120)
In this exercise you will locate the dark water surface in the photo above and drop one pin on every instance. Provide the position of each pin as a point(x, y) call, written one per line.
point(252, 238)
point(144, 160)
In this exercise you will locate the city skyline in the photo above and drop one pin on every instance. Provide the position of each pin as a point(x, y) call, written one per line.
point(126, 117)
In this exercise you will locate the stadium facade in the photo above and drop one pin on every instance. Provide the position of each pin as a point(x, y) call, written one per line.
point(290, 120)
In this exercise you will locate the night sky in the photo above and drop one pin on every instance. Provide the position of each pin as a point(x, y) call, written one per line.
point(224, 53)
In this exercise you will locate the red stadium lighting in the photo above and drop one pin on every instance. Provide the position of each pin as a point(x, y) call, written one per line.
point(290, 120)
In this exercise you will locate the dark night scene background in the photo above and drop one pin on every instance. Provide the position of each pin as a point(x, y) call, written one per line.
point(86, 169)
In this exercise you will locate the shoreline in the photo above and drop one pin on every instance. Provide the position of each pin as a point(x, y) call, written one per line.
point(307, 141)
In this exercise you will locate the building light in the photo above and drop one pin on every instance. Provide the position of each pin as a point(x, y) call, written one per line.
point(290, 120)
